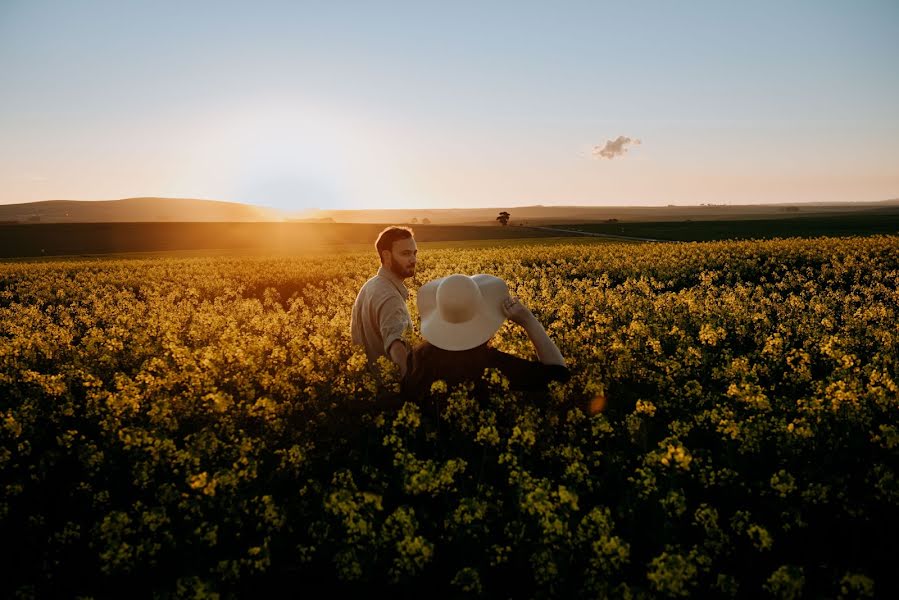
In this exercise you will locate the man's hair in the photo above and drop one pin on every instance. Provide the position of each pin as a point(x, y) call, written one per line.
point(388, 236)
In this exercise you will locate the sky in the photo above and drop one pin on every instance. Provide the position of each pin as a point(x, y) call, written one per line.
point(347, 105)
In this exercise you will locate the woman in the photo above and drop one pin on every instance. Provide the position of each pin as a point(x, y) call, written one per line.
point(459, 316)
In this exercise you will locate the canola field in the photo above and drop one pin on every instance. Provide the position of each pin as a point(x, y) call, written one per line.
point(203, 427)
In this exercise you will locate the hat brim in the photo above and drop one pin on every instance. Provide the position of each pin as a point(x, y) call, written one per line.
point(469, 334)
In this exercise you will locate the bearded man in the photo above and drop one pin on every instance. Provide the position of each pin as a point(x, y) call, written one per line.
point(380, 320)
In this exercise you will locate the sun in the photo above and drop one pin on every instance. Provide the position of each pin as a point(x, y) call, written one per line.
point(299, 158)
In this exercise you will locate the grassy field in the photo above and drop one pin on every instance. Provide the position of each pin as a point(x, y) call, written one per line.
point(167, 239)
point(702, 231)
point(337, 249)
point(61, 239)
point(546, 215)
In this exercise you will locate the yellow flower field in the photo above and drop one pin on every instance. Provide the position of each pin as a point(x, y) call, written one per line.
point(203, 427)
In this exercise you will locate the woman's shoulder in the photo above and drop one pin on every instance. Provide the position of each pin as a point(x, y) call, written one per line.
point(521, 368)
point(426, 352)
point(449, 364)
point(498, 358)
point(427, 349)
point(429, 363)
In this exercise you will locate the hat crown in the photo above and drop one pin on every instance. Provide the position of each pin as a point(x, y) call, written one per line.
point(459, 312)
point(458, 299)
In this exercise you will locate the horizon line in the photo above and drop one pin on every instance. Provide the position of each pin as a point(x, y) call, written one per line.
point(470, 208)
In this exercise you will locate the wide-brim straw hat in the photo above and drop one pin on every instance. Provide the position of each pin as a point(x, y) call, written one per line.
point(459, 312)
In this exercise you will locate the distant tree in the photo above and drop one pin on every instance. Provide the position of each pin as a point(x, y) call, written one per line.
point(503, 218)
point(414, 220)
point(426, 221)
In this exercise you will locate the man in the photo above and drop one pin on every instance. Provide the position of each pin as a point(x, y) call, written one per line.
point(380, 316)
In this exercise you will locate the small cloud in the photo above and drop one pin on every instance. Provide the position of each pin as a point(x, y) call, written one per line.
point(614, 148)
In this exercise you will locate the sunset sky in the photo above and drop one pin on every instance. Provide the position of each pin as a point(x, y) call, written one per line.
point(450, 104)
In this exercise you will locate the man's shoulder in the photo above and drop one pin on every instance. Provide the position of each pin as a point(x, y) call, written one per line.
point(376, 292)
point(374, 284)
point(371, 281)
point(379, 285)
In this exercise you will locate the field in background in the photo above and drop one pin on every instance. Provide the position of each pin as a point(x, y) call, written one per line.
point(61, 239)
point(174, 210)
point(333, 250)
point(545, 215)
point(854, 224)
point(114, 238)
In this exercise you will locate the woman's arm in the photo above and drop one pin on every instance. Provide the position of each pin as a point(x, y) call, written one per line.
point(547, 351)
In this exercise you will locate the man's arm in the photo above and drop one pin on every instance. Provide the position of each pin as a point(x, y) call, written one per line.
point(399, 354)
point(393, 321)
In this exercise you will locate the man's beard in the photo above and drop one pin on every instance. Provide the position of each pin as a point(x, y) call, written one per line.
point(402, 272)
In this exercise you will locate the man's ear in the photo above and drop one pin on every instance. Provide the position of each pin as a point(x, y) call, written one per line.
point(385, 257)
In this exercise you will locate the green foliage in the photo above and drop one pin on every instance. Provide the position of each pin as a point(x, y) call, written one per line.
point(205, 428)
point(703, 229)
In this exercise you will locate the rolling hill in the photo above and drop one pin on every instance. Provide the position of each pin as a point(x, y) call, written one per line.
point(135, 210)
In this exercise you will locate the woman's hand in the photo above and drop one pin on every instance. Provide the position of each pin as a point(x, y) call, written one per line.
point(517, 312)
